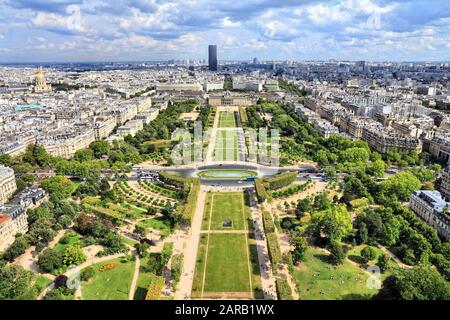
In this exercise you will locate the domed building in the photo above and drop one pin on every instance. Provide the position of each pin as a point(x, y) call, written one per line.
point(40, 85)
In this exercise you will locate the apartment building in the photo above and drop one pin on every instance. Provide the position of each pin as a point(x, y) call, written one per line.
point(445, 184)
point(383, 139)
point(7, 184)
point(430, 206)
point(183, 86)
point(130, 128)
point(13, 216)
point(65, 145)
point(104, 126)
point(439, 147)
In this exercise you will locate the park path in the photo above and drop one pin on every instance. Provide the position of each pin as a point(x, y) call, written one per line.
point(85, 264)
point(135, 275)
point(265, 266)
point(393, 256)
point(285, 247)
point(190, 250)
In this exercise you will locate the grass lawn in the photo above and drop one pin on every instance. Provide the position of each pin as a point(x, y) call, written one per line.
point(226, 147)
point(156, 224)
point(227, 264)
point(128, 241)
point(316, 279)
point(72, 240)
point(113, 284)
point(226, 174)
point(228, 206)
point(199, 267)
point(144, 281)
point(42, 283)
point(227, 120)
point(114, 210)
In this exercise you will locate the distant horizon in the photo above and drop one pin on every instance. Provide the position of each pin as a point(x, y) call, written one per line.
point(220, 60)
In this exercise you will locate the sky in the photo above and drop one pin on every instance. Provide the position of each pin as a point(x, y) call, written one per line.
point(151, 30)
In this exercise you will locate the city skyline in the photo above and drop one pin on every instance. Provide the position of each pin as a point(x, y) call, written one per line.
point(139, 30)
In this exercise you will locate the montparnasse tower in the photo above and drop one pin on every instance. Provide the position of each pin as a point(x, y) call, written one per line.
point(40, 85)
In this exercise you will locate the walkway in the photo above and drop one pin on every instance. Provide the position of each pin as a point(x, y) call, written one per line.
point(135, 276)
point(265, 266)
point(190, 250)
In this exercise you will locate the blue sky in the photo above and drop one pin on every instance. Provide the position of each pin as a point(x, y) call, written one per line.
point(102, 30)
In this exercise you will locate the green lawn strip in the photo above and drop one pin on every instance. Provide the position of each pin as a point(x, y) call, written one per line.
point(206, 211)
point(227, 264)
point(256, 272)
point(228, 207)
point(145, 279)
point(199, 267)
point(317, 279)
point(223, 143)
point(222, 174)
point(113, 284)
point(227, 120)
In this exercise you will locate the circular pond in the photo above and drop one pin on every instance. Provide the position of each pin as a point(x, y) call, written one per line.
point(226, 174)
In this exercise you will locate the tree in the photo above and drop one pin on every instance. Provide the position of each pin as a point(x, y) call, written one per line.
point(420, 283)
point(50, 260)
point(142, 249)
point(18, 247)
point(337, 254)
point(383, 262)
point(401, 185)
point(87, 273)
point(83, 155)
point(303, 206)
point(16, 283)
point(58, 187)
point(73, 255)
point(363, 234)
point(377, 168)
point(391, 228)
point(300, 246)
point(332, 224)
point(100, 148)
point(368, 253)
point(5, 159)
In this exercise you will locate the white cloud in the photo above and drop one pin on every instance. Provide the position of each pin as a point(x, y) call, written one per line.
point(227, 23)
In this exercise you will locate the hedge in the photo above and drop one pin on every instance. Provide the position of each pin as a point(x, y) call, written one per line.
point(282, 180)
point(261, 192)
point(274, 248)
point(283, 289)
point(176, 267)
point(154, 289)
point(243, 115)
point(269, 226)
point(172, 179)
point(191, 200)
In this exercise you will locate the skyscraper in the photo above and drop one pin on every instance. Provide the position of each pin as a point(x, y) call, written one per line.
point(212, 50)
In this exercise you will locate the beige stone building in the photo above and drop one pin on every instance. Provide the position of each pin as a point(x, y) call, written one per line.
point(230, 100)
point(7, 184)
point(66, 145)
point(40, 85)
